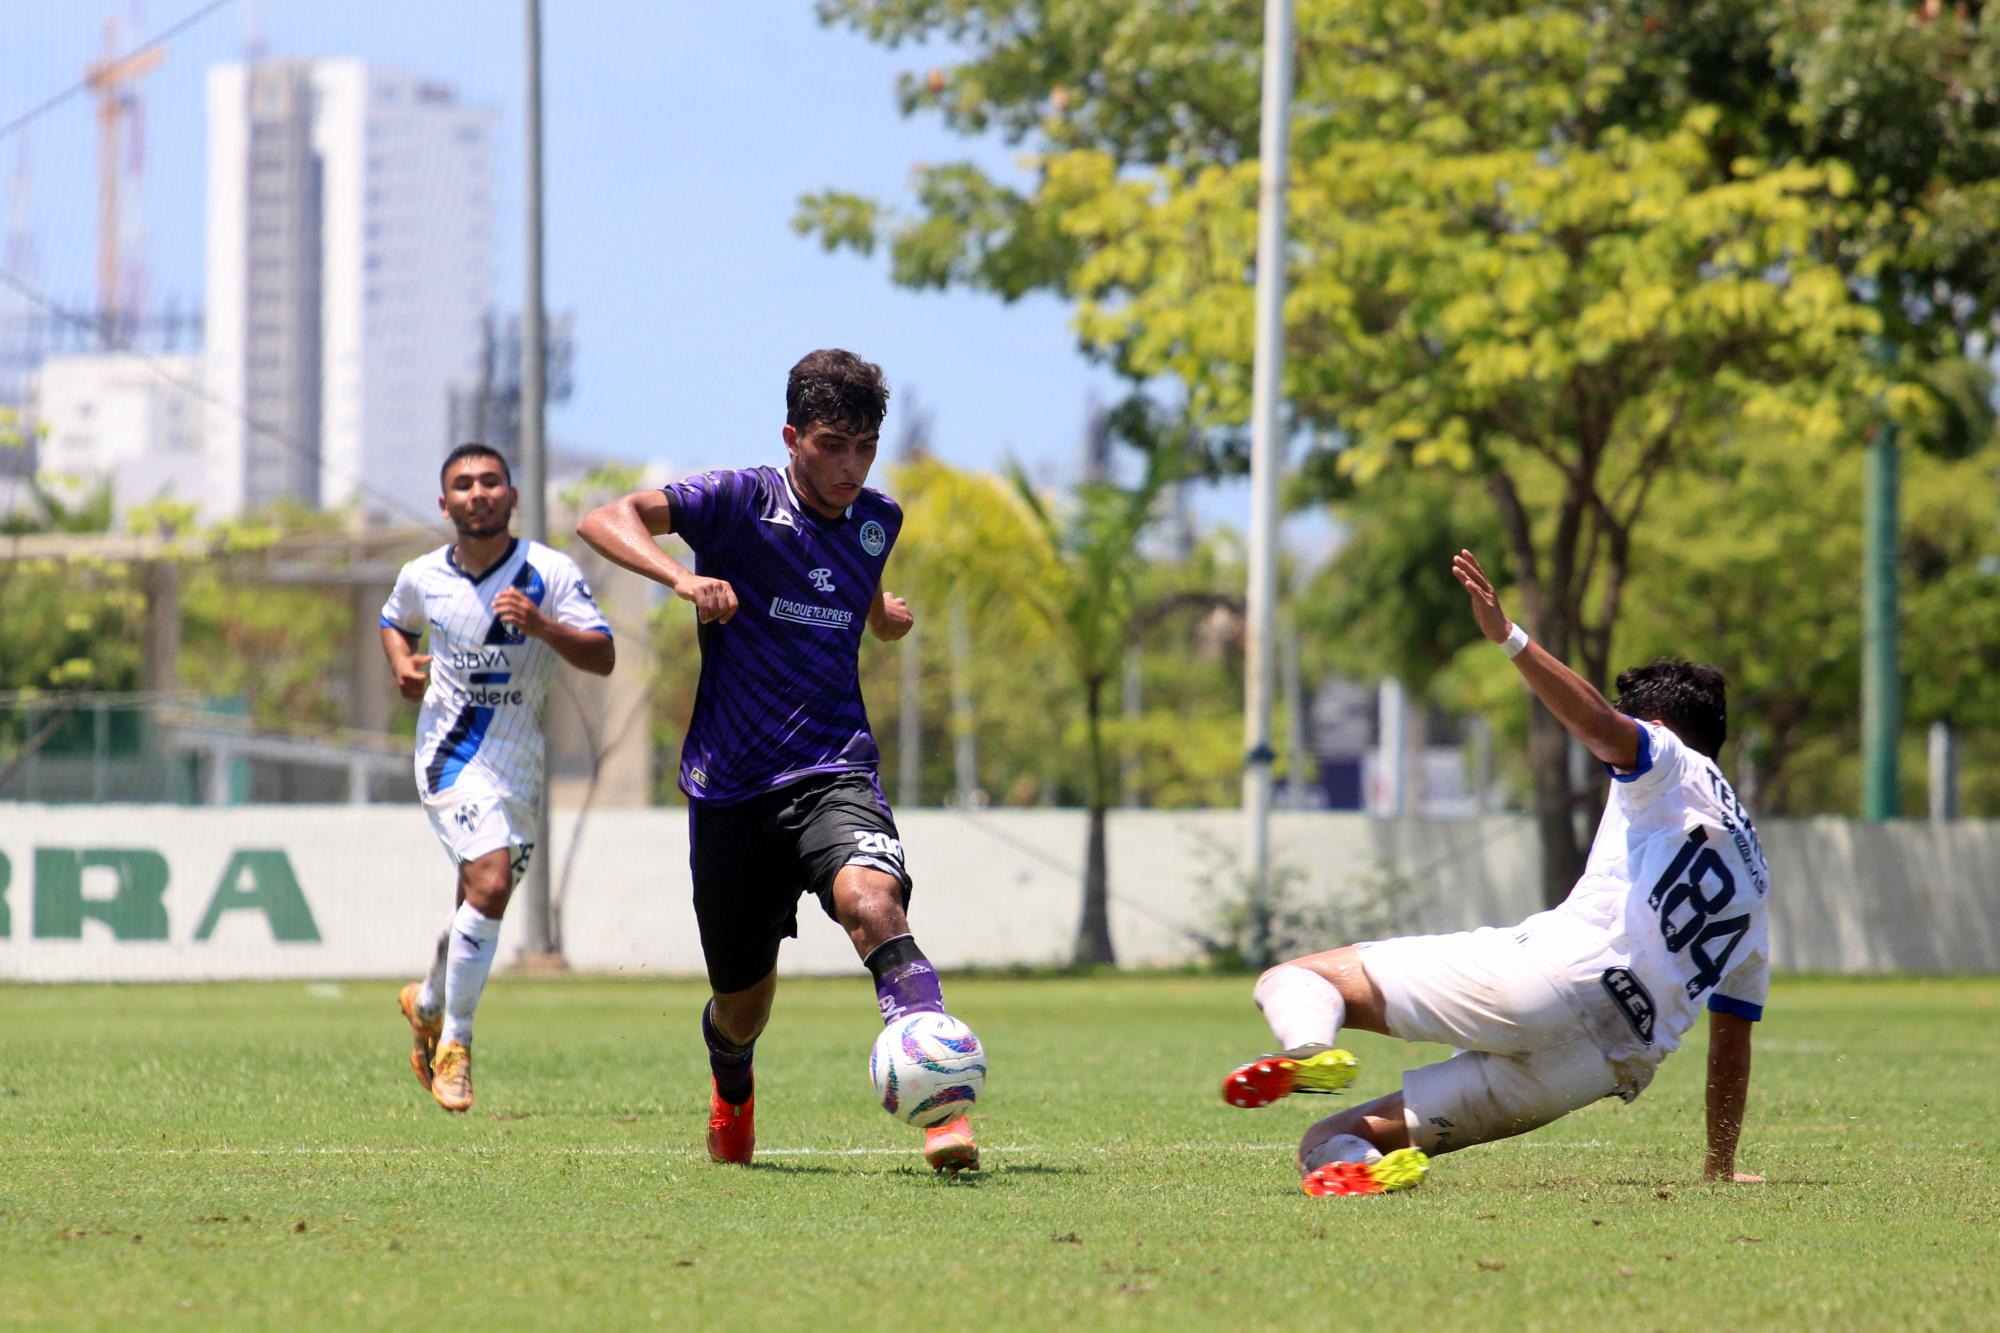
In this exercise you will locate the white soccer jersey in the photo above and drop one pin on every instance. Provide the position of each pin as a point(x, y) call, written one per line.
point(1671, 907)
point(482, 712)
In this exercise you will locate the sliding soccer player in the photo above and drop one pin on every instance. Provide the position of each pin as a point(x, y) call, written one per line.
point(1574, 1004)
point(499, 612)
point(779, 765)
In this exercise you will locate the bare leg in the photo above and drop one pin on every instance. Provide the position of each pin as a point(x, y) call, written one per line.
point(1380, 1122)
point(868, 903)
point(487, 882)
point(740, 1016)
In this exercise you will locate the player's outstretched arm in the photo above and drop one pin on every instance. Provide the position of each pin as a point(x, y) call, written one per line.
point(1606, 732)
point(1728, 1092)
point(889, 616)
point(623, 532)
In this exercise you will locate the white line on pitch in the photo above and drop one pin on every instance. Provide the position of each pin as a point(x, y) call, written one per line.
point(621, 1150)
point(634, 1150)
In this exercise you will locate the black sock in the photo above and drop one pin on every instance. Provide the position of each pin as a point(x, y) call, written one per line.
point(729, 1063)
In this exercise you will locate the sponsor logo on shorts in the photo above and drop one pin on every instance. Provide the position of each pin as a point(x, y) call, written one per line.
point(878, 844)
point(806, 613)
point(873, 537)
point(1633, 1000)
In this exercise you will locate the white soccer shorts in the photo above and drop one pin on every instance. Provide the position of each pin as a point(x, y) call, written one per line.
point(1524, 1059)
point(472, 820)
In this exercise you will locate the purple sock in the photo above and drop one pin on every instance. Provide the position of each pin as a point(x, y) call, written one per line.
point(730, 1064)
point(905, 981)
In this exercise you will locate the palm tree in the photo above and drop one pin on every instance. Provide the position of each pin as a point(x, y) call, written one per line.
point(1068, 576)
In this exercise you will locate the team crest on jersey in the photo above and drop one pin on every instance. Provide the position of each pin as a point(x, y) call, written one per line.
point(874, 538)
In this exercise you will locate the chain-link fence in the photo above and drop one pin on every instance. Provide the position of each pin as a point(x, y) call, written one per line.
point(184, 750)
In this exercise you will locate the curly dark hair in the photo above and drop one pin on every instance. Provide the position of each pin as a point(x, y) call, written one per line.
point(836, 388)
point(1689, 697)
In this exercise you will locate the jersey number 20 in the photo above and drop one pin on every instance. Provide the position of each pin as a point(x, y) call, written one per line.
point(1708, 942)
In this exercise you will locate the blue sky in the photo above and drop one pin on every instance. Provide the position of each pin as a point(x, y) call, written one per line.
point(678, 137)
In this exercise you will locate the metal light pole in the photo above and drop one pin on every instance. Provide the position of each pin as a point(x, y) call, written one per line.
point(1266, 456)
point(1881, 620)
point(541, 935)
point(1881, 670)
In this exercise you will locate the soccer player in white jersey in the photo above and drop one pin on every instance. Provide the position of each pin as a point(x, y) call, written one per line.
point(499, 612)
point(1574, 1004)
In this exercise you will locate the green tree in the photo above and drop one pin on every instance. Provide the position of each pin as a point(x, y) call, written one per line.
point(1759, 567)
point(1066, 577)
point(1386, 606)
point(1567, 249)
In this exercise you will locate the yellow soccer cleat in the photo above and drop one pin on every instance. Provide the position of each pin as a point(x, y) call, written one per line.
point(451, 1077)
point(949, 1148)
point(1302, 1069)
point(424, 1033)
point(1400, 1170)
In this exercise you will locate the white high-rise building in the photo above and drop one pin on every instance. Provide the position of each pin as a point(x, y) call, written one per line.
point(135, 421)
point(350, 255)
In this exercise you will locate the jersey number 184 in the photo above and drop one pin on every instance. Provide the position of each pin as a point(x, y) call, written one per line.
point(1709, 942)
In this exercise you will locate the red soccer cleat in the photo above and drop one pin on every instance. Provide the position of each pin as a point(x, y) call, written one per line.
point(732, 1129)
point(1400, 1170)
point(1303, 1069)
point(1342, 1178)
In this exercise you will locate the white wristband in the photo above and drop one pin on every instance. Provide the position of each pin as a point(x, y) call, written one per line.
point(1515, 642)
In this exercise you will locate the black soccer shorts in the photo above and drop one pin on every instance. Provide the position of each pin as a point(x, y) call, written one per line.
point(753, 859)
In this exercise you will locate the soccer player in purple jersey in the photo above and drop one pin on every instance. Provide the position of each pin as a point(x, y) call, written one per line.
point(779, 765)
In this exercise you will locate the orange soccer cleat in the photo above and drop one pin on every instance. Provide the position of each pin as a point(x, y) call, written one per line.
point(451, 1077)
point(424, 1032)
point(949, 1147)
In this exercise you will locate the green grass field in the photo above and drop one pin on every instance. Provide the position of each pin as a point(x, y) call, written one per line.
point(260, 1155)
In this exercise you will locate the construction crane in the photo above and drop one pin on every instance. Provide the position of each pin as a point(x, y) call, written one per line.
point(107, 78)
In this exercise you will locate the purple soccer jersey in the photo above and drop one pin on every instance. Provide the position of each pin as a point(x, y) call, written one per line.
point(780, 691)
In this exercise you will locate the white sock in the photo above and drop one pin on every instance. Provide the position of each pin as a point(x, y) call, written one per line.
point(1341, 1148)
point(1302, 1007)
point(430, 997)
point(475, 937)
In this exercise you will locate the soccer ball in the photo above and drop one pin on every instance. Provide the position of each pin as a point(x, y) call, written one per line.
point(927, 1069)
